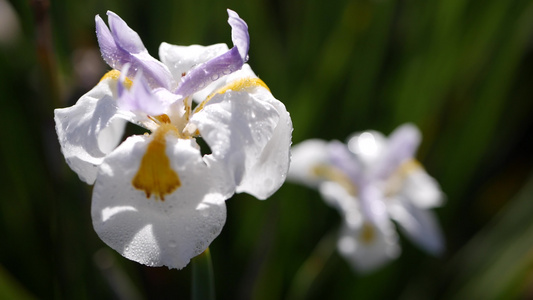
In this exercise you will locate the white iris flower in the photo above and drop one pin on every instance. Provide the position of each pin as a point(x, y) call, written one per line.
point(157, 198)
point(373, 180)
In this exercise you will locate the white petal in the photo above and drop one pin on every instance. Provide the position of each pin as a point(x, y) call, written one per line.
point(91, 128)
point(151, 231)
point(248, 132)
point(368, 146)
point(422, 190)
point(306, 156)
point(419, 225)
point(268, 173)
point(337, 196)
point(180, 59)
point(368, 253)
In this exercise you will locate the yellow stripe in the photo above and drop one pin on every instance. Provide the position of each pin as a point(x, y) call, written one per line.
point(237, 85)
point(155, 175)
point(333, 174)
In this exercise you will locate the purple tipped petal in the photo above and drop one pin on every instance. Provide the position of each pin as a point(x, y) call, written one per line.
point(224, 64)
point(121, 45)
point(124, 36)
point(239, 34)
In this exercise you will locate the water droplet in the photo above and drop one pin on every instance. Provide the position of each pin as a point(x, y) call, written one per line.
point(214, 77)
point(172, 244)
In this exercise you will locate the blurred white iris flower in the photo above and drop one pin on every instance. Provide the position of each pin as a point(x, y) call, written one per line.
point(373, 180)
point(157, 198)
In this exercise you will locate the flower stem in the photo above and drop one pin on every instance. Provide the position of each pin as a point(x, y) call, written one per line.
point(312, 267)
point(203, 282)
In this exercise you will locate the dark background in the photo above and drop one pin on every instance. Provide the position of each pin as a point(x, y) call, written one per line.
point(460, 70)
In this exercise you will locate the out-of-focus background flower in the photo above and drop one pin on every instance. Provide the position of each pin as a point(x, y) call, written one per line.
point(460, 70)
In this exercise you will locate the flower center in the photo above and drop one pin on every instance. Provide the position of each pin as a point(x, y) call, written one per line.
point(155, 175)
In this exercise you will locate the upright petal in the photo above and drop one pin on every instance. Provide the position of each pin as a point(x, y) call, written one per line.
point(224, 64)
point(121, 45)
point(158, 232)
point(181, 59)
point(368, 147)
point(90, 129)
point(401, 146)
point(239, 34)
point(341, 157)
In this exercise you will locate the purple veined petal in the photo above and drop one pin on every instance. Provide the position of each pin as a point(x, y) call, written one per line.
point(224, 64)
point(401, 146)
point(121, 45)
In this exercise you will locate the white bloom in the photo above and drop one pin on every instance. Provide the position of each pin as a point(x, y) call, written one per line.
point(373, 180)
point(157, 198)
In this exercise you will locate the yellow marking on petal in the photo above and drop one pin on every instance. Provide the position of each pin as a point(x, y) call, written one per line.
point(396, 180)
point(368, 233)
point(155, 175)
point(115, 75)
point(237, 85)
point(335, 175)
point(409, 167)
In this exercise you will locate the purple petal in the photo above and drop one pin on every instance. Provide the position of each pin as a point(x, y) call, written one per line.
point(140, 97)
point(201, 76)
point(122, 46)
point(239, 34)
point(125, 38)
point(341, 157)
point(224, 64)
point(108, 47)
point(401, 146)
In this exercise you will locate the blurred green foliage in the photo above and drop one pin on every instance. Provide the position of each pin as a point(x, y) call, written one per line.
point(461, 70)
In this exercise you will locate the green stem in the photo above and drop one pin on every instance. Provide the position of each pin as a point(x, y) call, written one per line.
point(313, 266)
point(203, 282)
